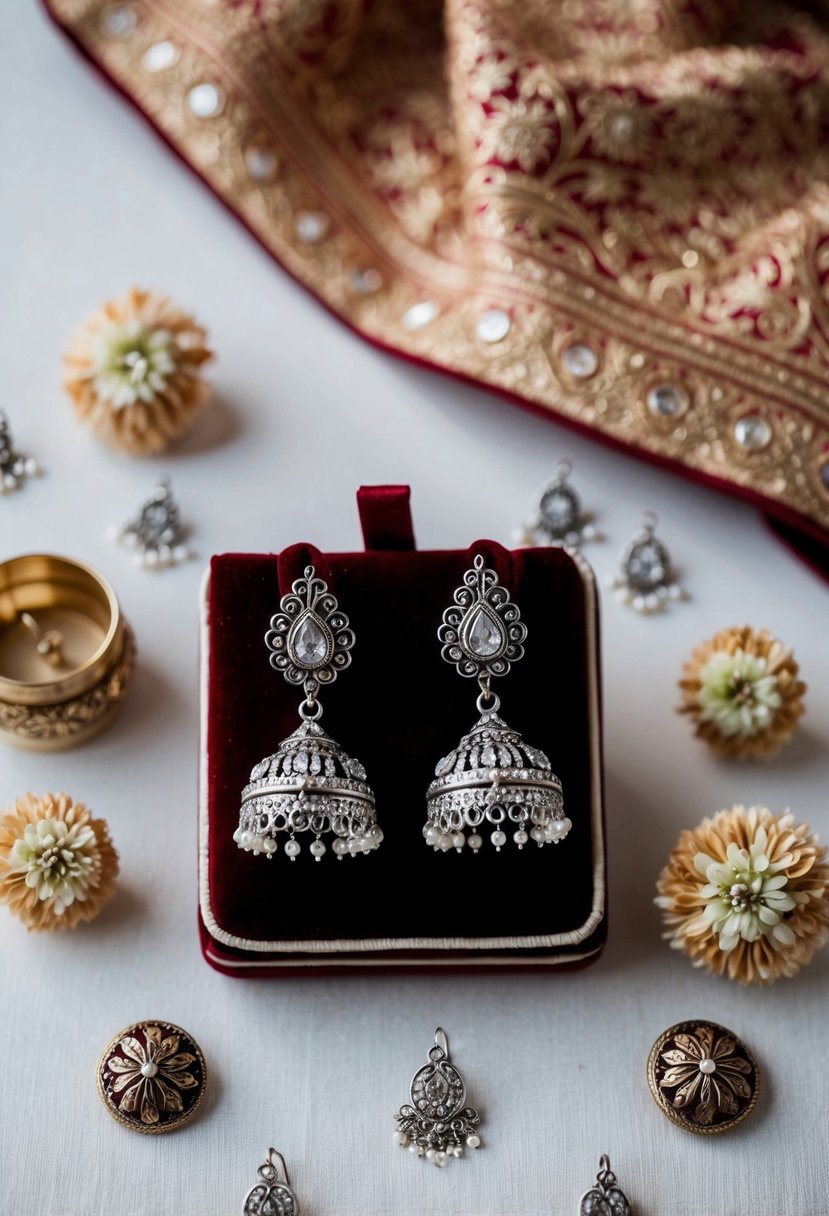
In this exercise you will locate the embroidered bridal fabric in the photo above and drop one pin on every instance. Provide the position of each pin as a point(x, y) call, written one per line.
point(496, 188)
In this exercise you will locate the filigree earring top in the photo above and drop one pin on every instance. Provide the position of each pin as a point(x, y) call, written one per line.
point(605, 1198)
point(272, 1195)
point(155, 533)
point(309, 785)
point(646, 579)
point(14, 468)
point(436, 1124)
point(492, 776)
point(559, 518)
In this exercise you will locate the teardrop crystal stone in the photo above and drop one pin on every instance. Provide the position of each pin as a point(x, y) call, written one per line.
point(309, 644)
point(483, 634)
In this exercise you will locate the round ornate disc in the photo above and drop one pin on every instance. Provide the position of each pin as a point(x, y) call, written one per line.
point(152, 1077)
point(703, 1077)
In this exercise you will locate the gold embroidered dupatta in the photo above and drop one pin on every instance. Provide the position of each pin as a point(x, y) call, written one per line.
point(616, 211)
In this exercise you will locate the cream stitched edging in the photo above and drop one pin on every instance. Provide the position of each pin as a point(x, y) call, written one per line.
point(339, 946)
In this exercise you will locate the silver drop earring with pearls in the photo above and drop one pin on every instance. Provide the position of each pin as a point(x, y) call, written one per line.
point(559, 518)
point(492, 778)
point(310, 786)
point(647, 579)
point(436, 1124)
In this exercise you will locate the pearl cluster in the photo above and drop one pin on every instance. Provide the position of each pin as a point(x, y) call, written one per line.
point(157, 557)
point(551, 833)
point(437, 1156)
point(20, 468)
point(650, 601)
point(252, 842)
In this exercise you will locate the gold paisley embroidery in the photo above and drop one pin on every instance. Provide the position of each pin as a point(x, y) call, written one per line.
point(651, 178)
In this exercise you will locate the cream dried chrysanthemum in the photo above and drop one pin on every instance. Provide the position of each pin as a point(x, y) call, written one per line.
point(134, 372)
point(745, 895)
point(57, 864)
point(742, 690)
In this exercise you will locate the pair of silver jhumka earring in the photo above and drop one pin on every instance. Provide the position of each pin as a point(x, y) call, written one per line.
point(646, 579)
point(310, 785)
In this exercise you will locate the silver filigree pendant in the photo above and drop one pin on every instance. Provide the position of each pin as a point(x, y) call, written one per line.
point(436, 1124)
point(272, 1195)
point(14, 468)
point(605, 1198)
point(155, 534)
point(492, 779)
point(559, 518)
point(647, 578)
point(310, 785)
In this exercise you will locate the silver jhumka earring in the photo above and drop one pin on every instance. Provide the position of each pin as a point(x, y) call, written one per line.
point(14, 468)
point(492, 775)
point(309, 785)
point(646, 579)
point(272, 1195)
point(155, 534)
point(436, 1124)
point(605, 1198)
point(559, 518)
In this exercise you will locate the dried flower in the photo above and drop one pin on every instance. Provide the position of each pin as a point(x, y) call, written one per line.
point(134, 372)
point(745, 895)
point(742, 691)
point(57, 864)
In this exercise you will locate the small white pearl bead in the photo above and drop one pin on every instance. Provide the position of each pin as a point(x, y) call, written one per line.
point(458, 840)
point(401, 1138)
point(473, 1141)
point(498, 838)
point(246, 840)
point(474, 841)
point(707, 1066)
point(317, 849)
point(149, 1069)
point(538, 835)
point(293, 848)
point(432, 835)
point(340, 847)
point(520, 837)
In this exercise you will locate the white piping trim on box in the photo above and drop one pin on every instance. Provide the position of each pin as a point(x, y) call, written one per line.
point(343, 946)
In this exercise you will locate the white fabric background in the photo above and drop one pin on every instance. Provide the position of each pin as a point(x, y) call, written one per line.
point(305, 413)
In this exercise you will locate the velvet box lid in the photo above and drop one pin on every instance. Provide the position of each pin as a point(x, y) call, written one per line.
point(398, 709)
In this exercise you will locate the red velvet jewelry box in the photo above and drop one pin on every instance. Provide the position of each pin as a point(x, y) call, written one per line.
point(399, 708)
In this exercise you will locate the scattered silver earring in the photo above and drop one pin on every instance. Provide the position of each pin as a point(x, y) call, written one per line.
point(436, 1124)
point(492, 775)
point(646, 579)
point(14, 468)
point(155, 533)
point(605, 1198)
point(559, 518)
point(309, 785)
point(272, 1195)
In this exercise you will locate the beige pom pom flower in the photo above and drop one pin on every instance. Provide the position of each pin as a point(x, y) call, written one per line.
point(745, 895)
point(742, 692)
point(57, 864)
point(135, 372)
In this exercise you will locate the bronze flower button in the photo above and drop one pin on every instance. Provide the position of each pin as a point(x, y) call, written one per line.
point(703, 1077)
point(152, 1077)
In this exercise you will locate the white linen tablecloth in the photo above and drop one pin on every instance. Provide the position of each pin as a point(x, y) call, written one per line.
point(304, 413)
